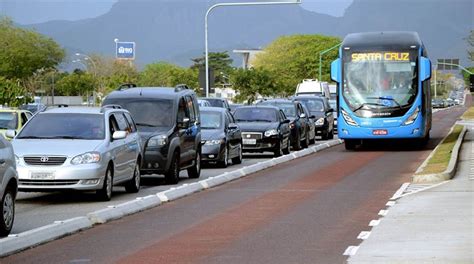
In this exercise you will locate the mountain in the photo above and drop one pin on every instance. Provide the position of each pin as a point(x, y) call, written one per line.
point(173, 30)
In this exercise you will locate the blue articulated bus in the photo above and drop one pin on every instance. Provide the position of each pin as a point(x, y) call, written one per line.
point(383, 87)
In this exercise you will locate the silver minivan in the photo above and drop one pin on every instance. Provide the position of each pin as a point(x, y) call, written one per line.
point(79, 148)
point(8, 186)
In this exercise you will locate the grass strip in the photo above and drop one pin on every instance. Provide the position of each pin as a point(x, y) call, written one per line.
point(440, 159)
point(469, 114)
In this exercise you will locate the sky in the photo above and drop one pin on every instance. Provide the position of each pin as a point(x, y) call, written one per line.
point(38, 11)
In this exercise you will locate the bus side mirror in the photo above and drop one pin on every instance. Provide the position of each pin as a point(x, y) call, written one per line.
point(425, 69)
point(336, 70)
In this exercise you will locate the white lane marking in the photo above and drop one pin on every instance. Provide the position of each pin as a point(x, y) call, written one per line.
point(351, 251)
point(363, 235)
point(162, 197)
point(400, 191)
point(390, 203)
point(204, 184)
point(383, 212)
point(374, 223)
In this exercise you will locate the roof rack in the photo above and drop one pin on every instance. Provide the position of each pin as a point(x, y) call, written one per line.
point(126, 86)
point(181, 87)
point(110, 106)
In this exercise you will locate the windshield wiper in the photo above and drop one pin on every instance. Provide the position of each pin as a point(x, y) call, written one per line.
point(387, 98)
point(364, 104)
point(241, 120)
point(145, 124)
point(260, 120)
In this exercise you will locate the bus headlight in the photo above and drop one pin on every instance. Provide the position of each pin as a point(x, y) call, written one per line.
point(348, 118)
point(411, 119)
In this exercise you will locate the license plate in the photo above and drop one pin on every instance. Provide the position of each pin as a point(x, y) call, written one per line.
point(379, 132)
point(250, 141)
point(42, 175)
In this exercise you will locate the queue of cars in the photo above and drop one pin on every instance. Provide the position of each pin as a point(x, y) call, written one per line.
point(139, 131)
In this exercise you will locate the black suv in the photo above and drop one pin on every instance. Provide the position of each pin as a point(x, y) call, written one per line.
point(218, 102)
point(320, 108)
point(168, 120)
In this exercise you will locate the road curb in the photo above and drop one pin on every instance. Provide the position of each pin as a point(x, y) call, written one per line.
point(452, 165)
point(41, 235)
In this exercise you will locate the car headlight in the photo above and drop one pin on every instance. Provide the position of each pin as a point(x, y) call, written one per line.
point(348, 118)
point(214, 142)
point(411, 119)
point(320, 122)
point(157, 141)
point(271, 132)
point(86, 158)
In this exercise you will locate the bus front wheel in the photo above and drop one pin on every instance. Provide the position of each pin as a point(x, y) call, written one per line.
point(350, 144)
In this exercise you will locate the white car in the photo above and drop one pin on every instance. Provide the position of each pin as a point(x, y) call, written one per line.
point(8, 186)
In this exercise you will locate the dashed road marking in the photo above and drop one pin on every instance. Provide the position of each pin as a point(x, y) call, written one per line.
point(351, 251)
point(363, 235)
point(383, 212)
point(374, 223)
point(390, 203)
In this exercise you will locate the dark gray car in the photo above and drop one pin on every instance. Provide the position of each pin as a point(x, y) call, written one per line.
point(8, 186)
point(221, 137)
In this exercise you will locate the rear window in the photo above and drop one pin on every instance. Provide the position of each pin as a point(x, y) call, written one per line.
point(8, 120)
point(216, 102)
point(313, 105)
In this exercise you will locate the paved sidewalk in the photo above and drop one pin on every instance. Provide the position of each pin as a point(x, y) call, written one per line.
point(432, 226)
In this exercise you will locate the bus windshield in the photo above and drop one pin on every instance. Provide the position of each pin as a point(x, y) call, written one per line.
point(380, 80)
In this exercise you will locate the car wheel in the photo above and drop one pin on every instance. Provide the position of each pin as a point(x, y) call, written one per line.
point(331, 135)
point(105, 193)
point(306, 141)
point(133, 186)
point(195, 171)
point(172, 175)
point(278, 151)
point(238, 159)
point(349, 144)
point(286, 151)
point(297, 145)
point(225, 160)
point(7, 212)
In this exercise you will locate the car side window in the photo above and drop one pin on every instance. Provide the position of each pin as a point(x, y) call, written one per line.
point(23, 119)
point(231, 117)
point(227, 120)
point(121, 122)
point(28, 115)
point(190, 109)
point(131, 123)
point(113, 125)
point(282, 116)
point(183, 110)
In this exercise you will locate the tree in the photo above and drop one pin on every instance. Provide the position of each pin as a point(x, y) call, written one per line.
point(78, 83)
point(167, 75)
point(294, 58)
point(12, 94)
point(252, 83)
point(25, 51)
point(470, 41)
point(218, 61)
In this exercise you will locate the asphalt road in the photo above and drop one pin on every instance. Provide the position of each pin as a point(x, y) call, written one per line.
point(304, 211)
point(38, 209)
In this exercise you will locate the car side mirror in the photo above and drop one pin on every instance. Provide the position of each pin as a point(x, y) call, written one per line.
point(312, 117)
point(10, 133)
point(336, 70)
point(425, 68)
point(330, 110)
point(119, 135)
point(286, 121)
point(233, 126)
point(184, 123)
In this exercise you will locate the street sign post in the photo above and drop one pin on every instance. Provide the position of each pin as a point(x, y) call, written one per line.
point(125, 50)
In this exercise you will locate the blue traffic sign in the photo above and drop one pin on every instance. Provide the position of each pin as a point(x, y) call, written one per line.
point(125, 50)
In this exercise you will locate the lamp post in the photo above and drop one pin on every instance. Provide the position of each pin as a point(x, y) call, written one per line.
point(232, 4)
point(321, 60)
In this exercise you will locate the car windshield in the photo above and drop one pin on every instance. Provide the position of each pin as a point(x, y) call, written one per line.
point(314, 105)
point(8, 120)
point(211, 120)
point(215, 102)
point(65, 126)
point(255, 115)
point(148, 112)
